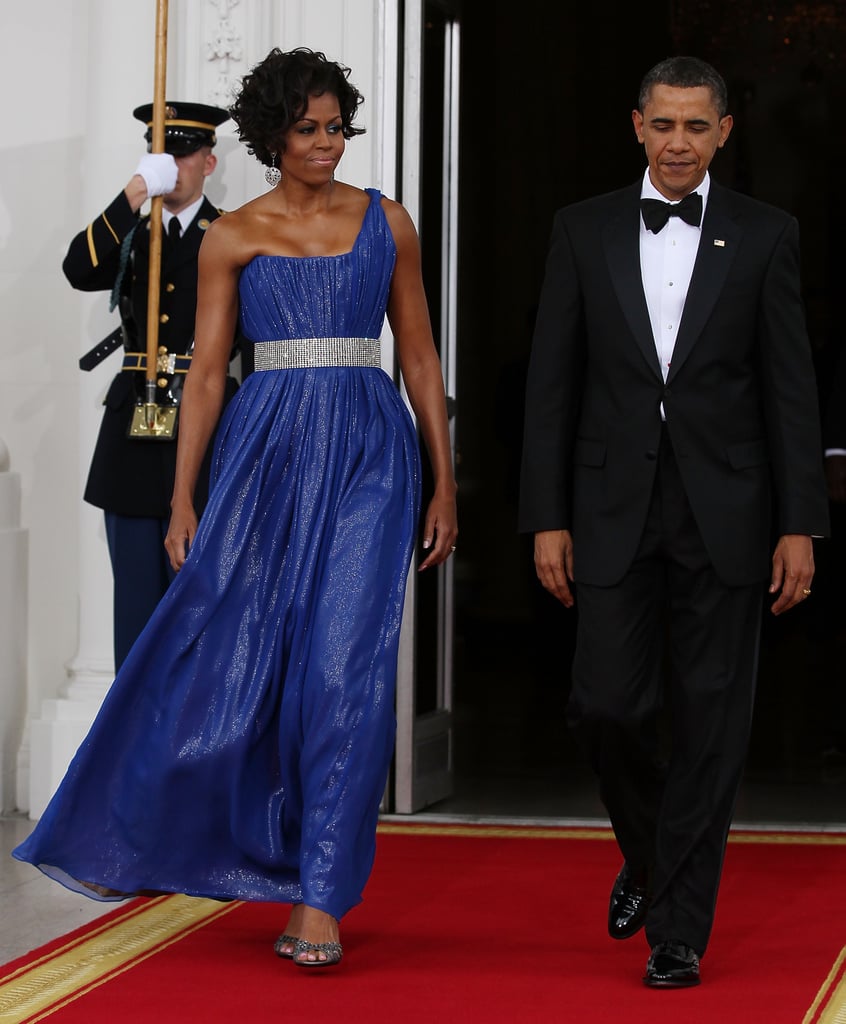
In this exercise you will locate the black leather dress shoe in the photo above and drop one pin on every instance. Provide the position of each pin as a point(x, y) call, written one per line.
point(630, 901)
point(672, 965)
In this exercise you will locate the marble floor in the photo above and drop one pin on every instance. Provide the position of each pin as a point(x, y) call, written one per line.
point(35, 910)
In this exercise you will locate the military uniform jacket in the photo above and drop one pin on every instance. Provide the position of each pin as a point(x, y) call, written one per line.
point(134, 477)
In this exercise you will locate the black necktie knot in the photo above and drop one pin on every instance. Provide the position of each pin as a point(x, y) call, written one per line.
point(656, 213)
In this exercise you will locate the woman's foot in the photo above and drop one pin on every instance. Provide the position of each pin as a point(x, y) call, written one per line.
point(317, 954)
point(284, 945)
point(318, 944)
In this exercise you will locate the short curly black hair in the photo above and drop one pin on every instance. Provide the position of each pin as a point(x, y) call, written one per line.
point(275, 94)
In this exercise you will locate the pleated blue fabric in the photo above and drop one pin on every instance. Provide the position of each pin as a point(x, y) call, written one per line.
point(243, 748)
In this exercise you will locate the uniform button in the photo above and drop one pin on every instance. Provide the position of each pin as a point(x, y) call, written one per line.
point(162, 382)
point(163, 319)
point(170, 287)
point(162, 350)
point(652, 455)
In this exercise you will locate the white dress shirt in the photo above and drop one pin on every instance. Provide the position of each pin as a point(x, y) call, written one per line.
point(666, 266)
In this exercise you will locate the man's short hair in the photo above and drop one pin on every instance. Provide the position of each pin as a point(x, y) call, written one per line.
point(685, 73)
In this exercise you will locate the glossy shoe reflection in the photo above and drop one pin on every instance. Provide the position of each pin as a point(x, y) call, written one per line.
point(630, 900)
point(672, 965)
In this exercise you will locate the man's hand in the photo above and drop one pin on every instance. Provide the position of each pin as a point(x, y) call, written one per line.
point(793, 570)
point(835, 477)
point(159, 172)
point(554, 563)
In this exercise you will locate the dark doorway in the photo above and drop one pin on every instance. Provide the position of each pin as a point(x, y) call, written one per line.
point(547, 93)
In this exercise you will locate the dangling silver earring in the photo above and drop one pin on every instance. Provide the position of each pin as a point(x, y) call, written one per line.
point(272, 174)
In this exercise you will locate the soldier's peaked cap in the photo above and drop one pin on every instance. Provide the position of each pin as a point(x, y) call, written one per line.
point(188, 126)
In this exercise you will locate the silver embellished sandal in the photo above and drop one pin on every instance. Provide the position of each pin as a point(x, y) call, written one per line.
point(285, 940)
point(303, 947)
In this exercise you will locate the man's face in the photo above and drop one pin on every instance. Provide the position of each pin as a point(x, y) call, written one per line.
point(193, 171)
point(681, 130)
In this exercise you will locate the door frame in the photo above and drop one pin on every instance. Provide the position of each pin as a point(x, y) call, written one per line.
point(423, 766)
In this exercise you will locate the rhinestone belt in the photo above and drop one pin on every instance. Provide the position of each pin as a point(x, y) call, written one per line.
point(298, 353)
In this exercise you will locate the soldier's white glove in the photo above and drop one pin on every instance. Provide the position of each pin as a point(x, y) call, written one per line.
point(159, 172)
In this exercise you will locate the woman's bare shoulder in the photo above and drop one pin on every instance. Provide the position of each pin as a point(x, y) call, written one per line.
point(238, 232)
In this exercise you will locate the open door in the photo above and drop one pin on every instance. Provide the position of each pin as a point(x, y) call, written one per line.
point(429, 191)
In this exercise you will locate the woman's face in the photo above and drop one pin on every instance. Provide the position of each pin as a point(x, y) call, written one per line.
point(315, 144)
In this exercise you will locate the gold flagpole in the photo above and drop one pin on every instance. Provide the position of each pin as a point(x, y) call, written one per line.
point(154, 284)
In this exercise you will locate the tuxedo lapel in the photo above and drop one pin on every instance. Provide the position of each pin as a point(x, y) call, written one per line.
point(621, 241)
point(718, 244)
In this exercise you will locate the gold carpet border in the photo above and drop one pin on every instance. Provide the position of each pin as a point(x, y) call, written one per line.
point(574, 832)
point(40, 988)
point(829, 1007)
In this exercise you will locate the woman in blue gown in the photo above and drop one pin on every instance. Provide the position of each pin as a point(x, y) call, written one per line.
point(243, 748)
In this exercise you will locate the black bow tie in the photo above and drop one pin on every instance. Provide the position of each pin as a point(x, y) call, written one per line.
point(656, 213)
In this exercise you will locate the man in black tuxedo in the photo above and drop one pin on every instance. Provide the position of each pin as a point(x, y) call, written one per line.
point(131, 477)
point(671, 441)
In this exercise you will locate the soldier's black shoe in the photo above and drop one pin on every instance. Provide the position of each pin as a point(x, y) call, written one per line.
point(630, 899)
point(672, 965)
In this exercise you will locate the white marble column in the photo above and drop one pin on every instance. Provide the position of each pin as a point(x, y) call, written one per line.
point(13, 636)
point(119, 65)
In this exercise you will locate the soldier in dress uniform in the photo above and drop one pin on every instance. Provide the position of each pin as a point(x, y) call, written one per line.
point(131, 477)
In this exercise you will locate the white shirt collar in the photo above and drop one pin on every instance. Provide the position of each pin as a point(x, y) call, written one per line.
point(184, 216)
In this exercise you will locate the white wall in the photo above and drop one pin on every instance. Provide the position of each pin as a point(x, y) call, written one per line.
point(71, 72)
point(41, 48)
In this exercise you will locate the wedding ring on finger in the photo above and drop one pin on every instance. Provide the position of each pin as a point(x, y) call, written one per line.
point(806, 592)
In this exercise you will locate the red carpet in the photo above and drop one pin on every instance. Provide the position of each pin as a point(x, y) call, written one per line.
point(464, 924)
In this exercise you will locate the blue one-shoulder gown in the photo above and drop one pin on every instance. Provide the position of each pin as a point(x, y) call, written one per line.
point(243, 748)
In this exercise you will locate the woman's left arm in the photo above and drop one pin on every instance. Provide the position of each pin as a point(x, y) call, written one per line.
point(408, 315)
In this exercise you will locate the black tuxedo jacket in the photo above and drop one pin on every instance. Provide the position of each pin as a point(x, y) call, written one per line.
point(129, 476)
point(740, 398)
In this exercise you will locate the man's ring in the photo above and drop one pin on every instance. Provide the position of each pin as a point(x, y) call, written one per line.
point(806, 592)
point(453, 549)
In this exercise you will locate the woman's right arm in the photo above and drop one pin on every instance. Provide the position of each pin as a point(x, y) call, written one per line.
point(202, 397)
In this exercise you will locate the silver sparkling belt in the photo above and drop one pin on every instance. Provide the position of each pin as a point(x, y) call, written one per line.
point(298, 353)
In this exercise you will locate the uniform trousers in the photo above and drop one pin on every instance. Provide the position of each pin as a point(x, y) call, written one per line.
point(663, 688)
point(141, 571)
